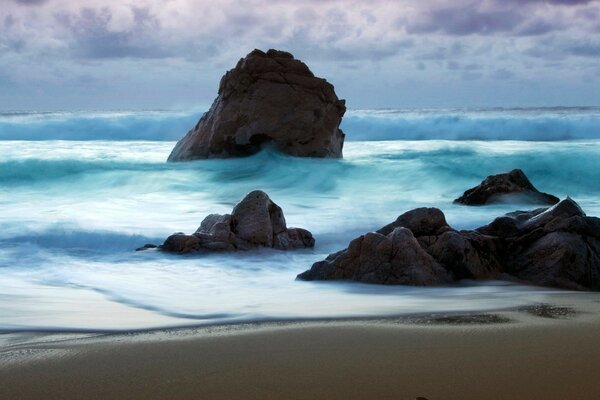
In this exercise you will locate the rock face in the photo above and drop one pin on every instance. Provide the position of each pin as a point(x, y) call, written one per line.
point(256, 221)
point(268, 99)
point(557, 246)
point(513, 186)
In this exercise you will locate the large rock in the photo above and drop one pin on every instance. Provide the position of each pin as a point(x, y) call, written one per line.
point(396, 258)
point(557, 246)
point(256, 221)
point(268, 98)
point(511, 187)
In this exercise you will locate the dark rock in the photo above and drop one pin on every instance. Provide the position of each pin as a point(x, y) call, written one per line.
point(558, 247)
point(511, 187)
point(181, 243)
point(293, 238)
point(396, 258)
point(256, 221)
point(421, 221)
point(467, 255)
point(146, 247)
point(268, 98)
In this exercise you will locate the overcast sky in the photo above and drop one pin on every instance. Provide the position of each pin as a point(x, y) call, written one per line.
point(136, 54)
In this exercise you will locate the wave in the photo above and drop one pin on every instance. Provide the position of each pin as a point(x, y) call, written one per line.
point(29, 171)
point(551, 124)
point(140, 125)
point(533, 124)
point(72, 240)
point(445, 167)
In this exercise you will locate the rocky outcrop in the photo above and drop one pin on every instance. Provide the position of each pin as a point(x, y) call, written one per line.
point(256, 221)
point(268, 99)
point(557, 246)
point(511, 187)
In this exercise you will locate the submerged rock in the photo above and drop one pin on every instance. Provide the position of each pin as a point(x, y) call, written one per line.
point(268, 98)
point(256, 221)
point(557, 246)
point(147, 246)
point(513, 186)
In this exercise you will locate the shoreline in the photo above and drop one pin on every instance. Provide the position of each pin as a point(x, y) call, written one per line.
point(549, 351)
point(553, 299)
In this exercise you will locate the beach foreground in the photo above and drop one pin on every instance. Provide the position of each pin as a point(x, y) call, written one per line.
point(543, 352)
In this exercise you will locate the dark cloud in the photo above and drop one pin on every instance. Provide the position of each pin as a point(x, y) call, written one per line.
point(9, 21)
point(536, 27)
point(503, 74)
point(586, 49)
point(556, 49)
point(441, 53)
point(473, 67)
point(452, 65)
point(555, 2)
point(471, 76)
point(93, 40)
point(466, 20)
point(31, 2)
point(509, 17)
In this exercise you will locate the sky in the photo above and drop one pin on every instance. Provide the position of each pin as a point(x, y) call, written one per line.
point(171, 54)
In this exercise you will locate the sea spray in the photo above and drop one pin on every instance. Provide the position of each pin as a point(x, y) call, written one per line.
point(72, 213)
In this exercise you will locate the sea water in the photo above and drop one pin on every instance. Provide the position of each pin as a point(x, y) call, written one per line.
point(79, 191)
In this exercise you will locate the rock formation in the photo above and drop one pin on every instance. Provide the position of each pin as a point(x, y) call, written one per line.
point(513, 186)
point(256, 221)
point(268, 98)
point(557, 246)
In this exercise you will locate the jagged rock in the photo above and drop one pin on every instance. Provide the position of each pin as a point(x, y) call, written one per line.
point(256, 221)
point(467, 255)
point(268, 98)
point(396, 258)
point(421, 221)
point(511, 187)
point(557, 246)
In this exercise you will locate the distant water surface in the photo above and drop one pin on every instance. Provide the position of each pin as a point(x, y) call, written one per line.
point(546, 124)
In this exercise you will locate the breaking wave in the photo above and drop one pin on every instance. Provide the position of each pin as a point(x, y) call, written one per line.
point(547, 124)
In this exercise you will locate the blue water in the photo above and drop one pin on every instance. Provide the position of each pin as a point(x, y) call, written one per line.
point(72, 211)
point(546, 124)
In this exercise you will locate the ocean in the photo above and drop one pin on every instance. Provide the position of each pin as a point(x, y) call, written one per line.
point(79, 191)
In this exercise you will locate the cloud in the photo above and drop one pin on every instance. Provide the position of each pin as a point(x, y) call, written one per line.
point(584, 49)
point(503, 17)
point(502, 74)
point(333, 29)
point(466, 21)
point(30, 2)
point(92, 37)
point(562, 48)
point(397, 40)
point(556, 2)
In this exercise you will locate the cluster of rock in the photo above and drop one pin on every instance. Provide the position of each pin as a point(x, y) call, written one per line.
point(256, 221)
point(510, 187)
point(274, 99)
point(557, 246)
point(268, 98)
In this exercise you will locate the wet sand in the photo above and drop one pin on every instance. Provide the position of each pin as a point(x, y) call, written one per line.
point(541, 352)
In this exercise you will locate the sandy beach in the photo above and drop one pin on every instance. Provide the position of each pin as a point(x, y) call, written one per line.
point(542, 352)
